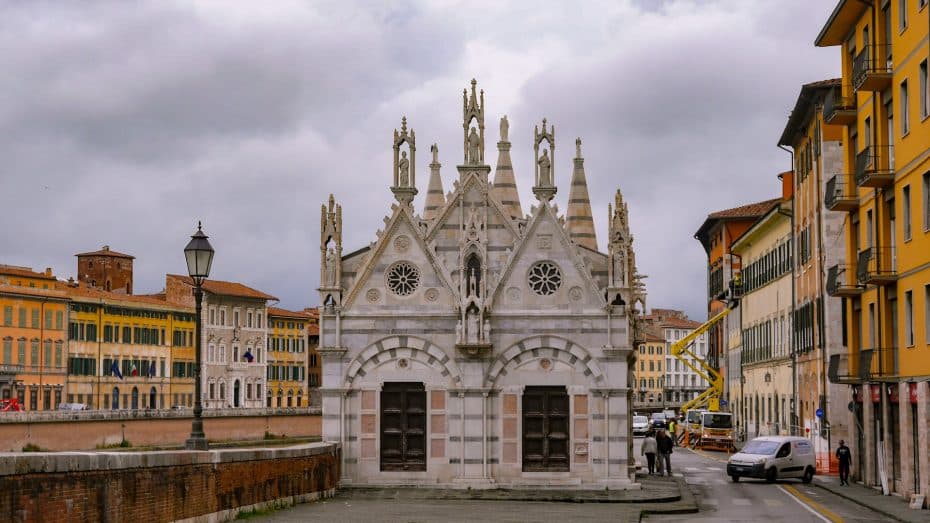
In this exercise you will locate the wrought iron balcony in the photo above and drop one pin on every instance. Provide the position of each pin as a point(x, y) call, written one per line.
point(11, 369)
point(839, 109)
point(840, 194)
point(862, 365)
point(838, 284)
point(875, 166)
point(876, 266)
point(872, 68)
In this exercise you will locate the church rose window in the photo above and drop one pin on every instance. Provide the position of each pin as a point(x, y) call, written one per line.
point(545, 278)
point(403, 278)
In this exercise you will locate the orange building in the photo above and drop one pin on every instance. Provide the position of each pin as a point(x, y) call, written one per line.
point(33, 335)
point(716, 235)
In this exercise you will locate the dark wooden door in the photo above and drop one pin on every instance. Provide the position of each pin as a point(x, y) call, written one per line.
point(403, 426)
point(545, 429)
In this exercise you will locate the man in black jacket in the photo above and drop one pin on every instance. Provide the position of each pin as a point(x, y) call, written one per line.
point(664, 444)
point(845, 458)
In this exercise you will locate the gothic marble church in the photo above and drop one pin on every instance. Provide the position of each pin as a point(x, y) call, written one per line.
point(475, 345)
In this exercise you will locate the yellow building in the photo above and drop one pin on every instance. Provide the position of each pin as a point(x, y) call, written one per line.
point(32, 333)
point(287, 358)
point(886, 141)
point(649, 372)
point(128, 352)
point(762, 401)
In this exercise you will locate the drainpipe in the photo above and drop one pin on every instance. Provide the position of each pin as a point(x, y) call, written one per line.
point(821, 259)
point(794, 356)
point(740, 323)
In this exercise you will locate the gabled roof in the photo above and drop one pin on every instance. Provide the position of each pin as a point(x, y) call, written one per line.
point(284, 313)
point(743, 212)
point(25, 272)
point(84, 293)
point(680, 323)
point(105, 251)
point(226, 288)
point(800, 115)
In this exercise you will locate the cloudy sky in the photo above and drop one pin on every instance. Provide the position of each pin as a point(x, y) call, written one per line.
point(124, 123)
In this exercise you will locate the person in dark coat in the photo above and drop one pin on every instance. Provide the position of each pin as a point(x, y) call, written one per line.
point(664, 445)
point(844, 455)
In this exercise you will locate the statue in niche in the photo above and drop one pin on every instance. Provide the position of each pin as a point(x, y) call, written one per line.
point(471, 326)
point(619, 276)
point(472, 283)
point(458, 332)
point(474, 147)
point(403, 168)
point(545, 178)
point(486, 331)
point(330, 268)
point(505, 129)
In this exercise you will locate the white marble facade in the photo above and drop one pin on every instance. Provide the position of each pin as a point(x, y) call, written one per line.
point(476, 305)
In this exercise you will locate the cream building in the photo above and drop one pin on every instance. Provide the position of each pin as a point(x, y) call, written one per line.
point(474, 344)
point(766, 386)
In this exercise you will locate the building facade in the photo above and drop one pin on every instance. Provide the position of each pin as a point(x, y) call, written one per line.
point(766, 385)
point(649, 370)
point(106, 269)
point(128, 352)
point(886, 292)
point(474, 344)
point(716, 235)
point(33, 337)
point(288, 349)
point(234, 370)
point(820, 194)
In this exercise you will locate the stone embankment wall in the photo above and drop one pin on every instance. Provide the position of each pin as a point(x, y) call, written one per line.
point(87, 430)
point(163, 486)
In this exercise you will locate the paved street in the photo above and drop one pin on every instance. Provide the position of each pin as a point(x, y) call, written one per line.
point(754, 500)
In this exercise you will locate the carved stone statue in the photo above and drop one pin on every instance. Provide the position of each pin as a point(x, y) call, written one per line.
point(435, 150)
point(545, 179)
point(505, 129)
point(474, 147)
point(330, 268)
point(472, 283)
point(403, 168)
point(458, 332)
point(471, 326)
point(486, 331)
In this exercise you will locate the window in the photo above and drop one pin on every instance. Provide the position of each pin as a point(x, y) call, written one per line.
point(8, 316)
point(259, 319)
point(236, 318)
point(35, 318)
point(924, 91)
point(403, 278)
point(223, 317)
point(21, 352)
point(906, 205)
point(927, 314)
point(249, 323)
point(905, 120)
point(22, 316)
point(909, 319)
point(902, 15)
point(926, 199)
point(59, 320)
point(212, 316)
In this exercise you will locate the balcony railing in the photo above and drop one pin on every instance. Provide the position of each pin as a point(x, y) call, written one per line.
point(863, 365)
point(876, 266)
point(838, 284)
point(875, 166)
point(839, 109)
point(11, 369)
point(840, 194)
point(872, 68)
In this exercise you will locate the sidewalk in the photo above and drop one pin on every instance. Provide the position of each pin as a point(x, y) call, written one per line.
point(894, 507)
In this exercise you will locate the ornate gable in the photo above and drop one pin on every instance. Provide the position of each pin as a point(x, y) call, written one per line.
point(546, 269)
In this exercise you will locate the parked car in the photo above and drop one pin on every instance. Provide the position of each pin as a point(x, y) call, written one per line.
point(658, 421)
point(640, 425)
point(774, 457)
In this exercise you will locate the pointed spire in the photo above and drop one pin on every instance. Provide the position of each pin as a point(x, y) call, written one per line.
point(505, 184)
point(435, 200)
point(580, 219)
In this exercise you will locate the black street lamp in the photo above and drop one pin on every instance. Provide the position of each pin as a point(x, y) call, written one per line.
point(199, 255)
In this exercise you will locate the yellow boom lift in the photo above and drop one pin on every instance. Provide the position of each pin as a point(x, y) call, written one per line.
point(709, 400)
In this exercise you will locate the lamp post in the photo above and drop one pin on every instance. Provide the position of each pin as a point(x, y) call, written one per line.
point(199, 255)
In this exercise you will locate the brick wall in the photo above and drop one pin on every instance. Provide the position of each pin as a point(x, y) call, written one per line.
point(162, 486)
point(88, 430)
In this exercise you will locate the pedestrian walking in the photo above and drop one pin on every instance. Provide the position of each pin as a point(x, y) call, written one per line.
point(673, 431)
point(664, 446)
point(649, 449)
point(844, 456)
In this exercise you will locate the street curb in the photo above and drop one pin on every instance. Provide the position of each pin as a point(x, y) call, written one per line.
point(687, 499)
point(506, 494)
point(858, 502)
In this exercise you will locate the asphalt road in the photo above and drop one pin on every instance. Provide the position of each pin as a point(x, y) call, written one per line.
point(721, 500)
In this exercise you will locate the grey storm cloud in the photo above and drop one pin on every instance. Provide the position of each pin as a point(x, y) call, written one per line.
point(125, 124)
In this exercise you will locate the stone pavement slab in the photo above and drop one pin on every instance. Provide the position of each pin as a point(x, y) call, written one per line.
point(894, 507)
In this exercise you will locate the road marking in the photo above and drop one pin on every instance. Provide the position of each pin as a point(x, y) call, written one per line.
point(678, 474)
point(773, 502)
point(743, 502)
point(710, 501)
point(692, 469)
point(714, 469)
point(812, 506)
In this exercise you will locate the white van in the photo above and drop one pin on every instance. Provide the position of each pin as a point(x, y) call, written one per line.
point(774, 457)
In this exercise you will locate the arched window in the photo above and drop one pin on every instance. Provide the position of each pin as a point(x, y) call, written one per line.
point(212, 389)
point(236, 394)
point(222, 358)
point(248, 391)
point(222, 391)
point(114, 404)
point(290, 398)
point(473, 274)
point(235, 353)
point(152, 398)
point(211, 352)
point(135, 398)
